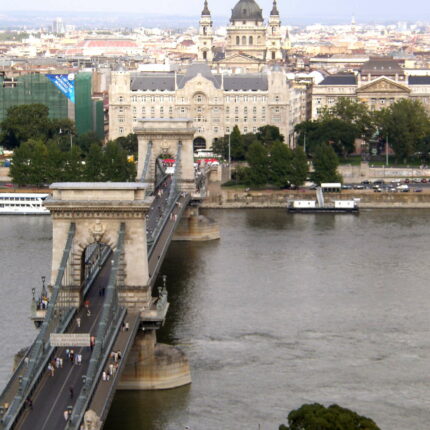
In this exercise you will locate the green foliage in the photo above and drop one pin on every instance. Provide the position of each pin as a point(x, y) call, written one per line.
point(258, 160)
point(129, 143)
point(84, 141)
point(300, 168)
point(116, 167)
point(236, 145)
point(325, 163)
point(94, 164)
point(24, 122)
point(407, 126)
point(354, 113)
point(269, 134)
point(318, 417)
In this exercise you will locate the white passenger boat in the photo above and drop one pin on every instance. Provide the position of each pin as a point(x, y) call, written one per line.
point(23, 204)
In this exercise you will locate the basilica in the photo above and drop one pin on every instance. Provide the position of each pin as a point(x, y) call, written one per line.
point(250, 44)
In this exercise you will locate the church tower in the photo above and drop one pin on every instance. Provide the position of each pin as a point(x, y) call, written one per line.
point(246, 34)
point(205, 43)
point(274, 36)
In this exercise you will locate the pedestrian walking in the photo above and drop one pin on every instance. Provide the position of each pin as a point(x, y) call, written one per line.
point(61, 362)
point(67, 353)
point(57, 362)
point(72, 356)
point(110, 369)
point(119, 355)
point(79, 359)
point(66, 415)
point(104, 376)
point(51, 369)
point(78, 322)
point(71, 391)
point(126, 326)
point(88, 312)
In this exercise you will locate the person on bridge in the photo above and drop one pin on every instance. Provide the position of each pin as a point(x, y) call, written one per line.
point(71, 391)
point(51, 369)
point(78, 322)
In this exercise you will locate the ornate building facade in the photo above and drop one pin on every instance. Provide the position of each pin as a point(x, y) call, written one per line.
point(215, 102)
point(250, 44)
point(379, 83)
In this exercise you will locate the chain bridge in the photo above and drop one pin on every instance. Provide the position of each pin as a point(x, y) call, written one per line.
point(99, 316)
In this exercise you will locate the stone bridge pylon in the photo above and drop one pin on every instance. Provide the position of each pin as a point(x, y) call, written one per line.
point(98, 209)
point(163, 137)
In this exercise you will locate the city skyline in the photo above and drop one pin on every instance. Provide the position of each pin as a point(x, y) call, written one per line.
point(293, 11)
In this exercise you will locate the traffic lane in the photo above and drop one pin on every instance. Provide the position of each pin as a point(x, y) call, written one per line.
point(52, 397)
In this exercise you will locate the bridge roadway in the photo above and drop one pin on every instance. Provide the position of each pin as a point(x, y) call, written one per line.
point(52, 396)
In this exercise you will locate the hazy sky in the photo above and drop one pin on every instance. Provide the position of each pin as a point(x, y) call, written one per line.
point(314, 10)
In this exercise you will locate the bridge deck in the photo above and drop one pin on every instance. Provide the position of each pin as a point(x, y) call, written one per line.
point(53, 395)
point(105, 391)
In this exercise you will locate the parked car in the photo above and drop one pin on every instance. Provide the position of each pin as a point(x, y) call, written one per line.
point(407, 181)
point(379, 182)
point(418, 190)
point(424, 180)
point(365, 182)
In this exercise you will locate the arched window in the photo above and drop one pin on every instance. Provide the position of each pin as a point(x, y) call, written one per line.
point(205, 55)
point(204, 30)
point(243, 40)
point(237, 40)
point(251, 40)
point(273, 55)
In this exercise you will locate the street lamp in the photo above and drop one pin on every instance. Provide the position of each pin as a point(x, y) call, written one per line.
point(229, 157)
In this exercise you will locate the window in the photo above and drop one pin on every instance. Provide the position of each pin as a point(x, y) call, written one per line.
point(227, 129)
point(245, 110)
point(277, 99)
point(134, 99)
point(254, 110)
point(237, 40)
point(120, 119)
point(134, 109)
point(143, 111)
point(121, 130)
point(182, 110)
point(243, 40)
point(236, 119)
point(245, 129)
point(216, 129)
point(245, 119)
point(236, 110)
point(254, 129)
point(251, 40)
point(121, 109)
point(277, 110)
point(227, 110)
point(120, 99)
point(135, 118)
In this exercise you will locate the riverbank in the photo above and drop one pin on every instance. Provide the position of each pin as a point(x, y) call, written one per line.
point(234, 198)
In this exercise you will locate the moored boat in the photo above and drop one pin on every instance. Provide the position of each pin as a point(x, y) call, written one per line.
point(23, 204)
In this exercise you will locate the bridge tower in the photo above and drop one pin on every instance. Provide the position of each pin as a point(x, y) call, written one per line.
point(98, 209)
point(165, 137)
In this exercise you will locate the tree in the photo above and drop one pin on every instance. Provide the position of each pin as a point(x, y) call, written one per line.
point(116, 167)
point(29, 163)
point(281, 165)
point(406, 124)
point(318, 417)
point(237, 149)
point(258, 160)
point(24, 122)
point(129, 143)
point(268, 135)
point(354, 113)
point(325, 163)
point(93, 171)
point(300, 168)
point(84, 141)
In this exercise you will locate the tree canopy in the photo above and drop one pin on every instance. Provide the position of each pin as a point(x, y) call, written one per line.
point(325, 164)
point(406, 124)
point(318, 417)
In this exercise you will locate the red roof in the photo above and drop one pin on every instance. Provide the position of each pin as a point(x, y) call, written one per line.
point(109, 43)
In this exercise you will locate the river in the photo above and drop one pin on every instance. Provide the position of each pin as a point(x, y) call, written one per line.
point(283, 310)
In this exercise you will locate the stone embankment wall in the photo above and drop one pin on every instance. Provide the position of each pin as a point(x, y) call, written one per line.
point(238, 198)
point(365, 171)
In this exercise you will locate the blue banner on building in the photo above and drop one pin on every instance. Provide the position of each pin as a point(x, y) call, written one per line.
point(65, 83)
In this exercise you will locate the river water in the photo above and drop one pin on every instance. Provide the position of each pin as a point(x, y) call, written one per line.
point(283, 310)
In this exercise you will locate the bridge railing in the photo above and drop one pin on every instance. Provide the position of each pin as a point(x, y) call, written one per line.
point(108, 326)
point(146, 163)
point(57, 318)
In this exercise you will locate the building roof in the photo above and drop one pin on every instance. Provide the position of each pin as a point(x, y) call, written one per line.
point(108, 43)
point(344, 79)
point(419, 80)
point(246, 10)
point(199, 68)
point(206, 11)
point(166, 81)
point(275, 11)
point(153, 82)
point(381, 66)
point(249, 82)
